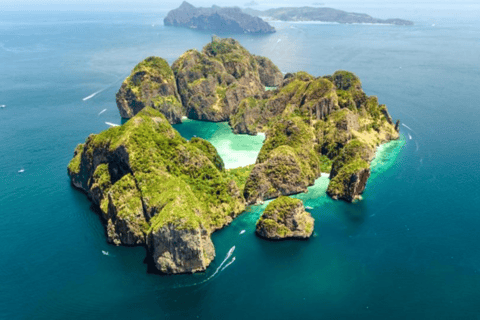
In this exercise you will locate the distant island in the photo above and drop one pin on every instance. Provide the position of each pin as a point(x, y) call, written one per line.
point(216, 19)
point(321, 14)
point(251, 4)
point(154, 188)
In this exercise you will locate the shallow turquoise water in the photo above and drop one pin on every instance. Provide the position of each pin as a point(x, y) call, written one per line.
point(408, 250)
point(236, 150)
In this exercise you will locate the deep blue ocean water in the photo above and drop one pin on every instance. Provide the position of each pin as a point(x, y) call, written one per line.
point(410, 249)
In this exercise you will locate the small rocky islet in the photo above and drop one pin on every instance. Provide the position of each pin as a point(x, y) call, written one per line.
point(156, 189)
point(285, 218)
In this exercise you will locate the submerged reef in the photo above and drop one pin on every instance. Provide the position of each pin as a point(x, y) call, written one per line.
point(156, 189)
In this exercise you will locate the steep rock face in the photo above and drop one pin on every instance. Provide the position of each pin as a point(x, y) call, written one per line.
point(181, 251)
point(299, 93)
point(155, 188)
point(350, 182)
point(287, 163)
point(285, 218)
point(270, 75)
point(212, 83)
point(153, 84)
point(339, 123)
point(216, 19)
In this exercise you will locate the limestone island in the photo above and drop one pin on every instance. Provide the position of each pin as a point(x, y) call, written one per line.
point(156, 189)
point(322, 15)
point(216, 19)
point(285, 218)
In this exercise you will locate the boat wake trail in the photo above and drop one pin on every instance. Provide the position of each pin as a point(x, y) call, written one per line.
point(403, 124)
point(220, 268)
point(102, 111)
point(93, 95)
point(232, 261)
point(99, 91)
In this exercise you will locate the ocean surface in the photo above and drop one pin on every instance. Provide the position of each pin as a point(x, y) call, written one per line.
point(409, 250)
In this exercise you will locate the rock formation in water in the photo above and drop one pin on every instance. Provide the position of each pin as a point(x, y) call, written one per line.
point(216, 19)
point(309, 122)
point(323, 15)
point(206, 85)
point(151, 83)
point(285, 218)
point(155, 188)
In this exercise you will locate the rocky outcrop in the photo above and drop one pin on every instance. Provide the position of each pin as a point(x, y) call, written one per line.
point(217, 19)
point(287, 163)
point(322, 14)
point(212, 83)
point(270, 75)
point(338, 122)
point(181, 251)
point(155, 188)
point(351, 181)
point(285, 218)
point(153, 84)
point(315, 98)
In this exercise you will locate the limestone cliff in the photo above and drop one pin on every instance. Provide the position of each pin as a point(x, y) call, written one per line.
point(309, 122)
point(285, 218)
point(212, 83)
point(155, 188)
point(153, 84)
point(287, 163)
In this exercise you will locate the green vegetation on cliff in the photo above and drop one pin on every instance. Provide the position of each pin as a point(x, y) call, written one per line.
point(179, 182)
point(155, 188)
point(284, 218)
point(240, 175)
point(151, 83)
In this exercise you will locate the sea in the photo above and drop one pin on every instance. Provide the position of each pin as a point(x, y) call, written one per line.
point(409, 250)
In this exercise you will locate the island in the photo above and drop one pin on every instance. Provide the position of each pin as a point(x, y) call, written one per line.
point(251, 4)
point(321, 14)
point(216, 19)
point(285, 218)
point(154, 188)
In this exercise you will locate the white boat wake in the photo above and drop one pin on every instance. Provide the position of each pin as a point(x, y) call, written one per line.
point(102, 111)
point(242, 232)
point(105, 253)
point(21, 171)
point(232, 261)
point(220, 268)
point(403, 124)
point(93, 95)
point(112, 124)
